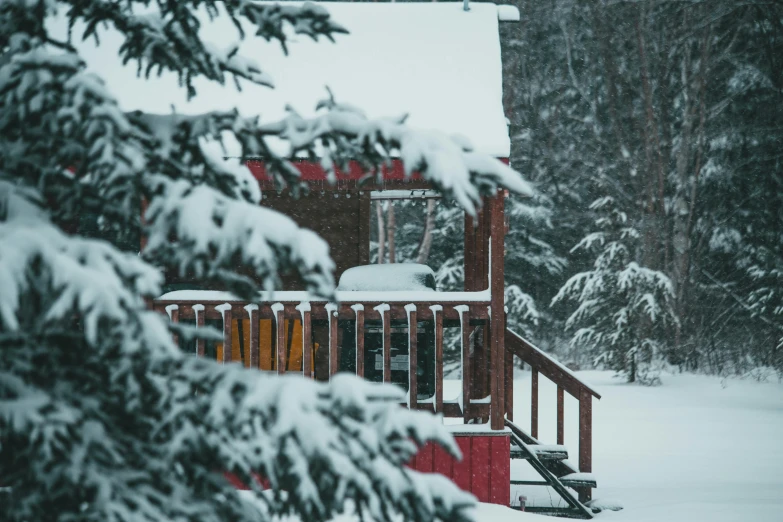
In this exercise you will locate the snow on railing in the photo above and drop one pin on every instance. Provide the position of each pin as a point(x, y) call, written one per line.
point(248, 318)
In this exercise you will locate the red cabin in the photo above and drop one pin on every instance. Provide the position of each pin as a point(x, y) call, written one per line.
point(442, 66)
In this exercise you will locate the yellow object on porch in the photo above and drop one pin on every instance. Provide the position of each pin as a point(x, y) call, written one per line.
point(267, 352)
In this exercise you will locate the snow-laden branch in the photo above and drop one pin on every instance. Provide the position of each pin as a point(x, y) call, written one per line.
point(200, 231)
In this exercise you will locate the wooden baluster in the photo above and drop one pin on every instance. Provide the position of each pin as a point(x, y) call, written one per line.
point(173, 311)
point(560, 415)
point(277, 312)
point(384, 310)
point(225, 312)
point(413, 385)
point(198, 310)
point(359, 310)
point(255, 356)
point(464, 320)
point(307, 339)
point(534, 403)
point(437, 316)
point(331, 310)
point(509, 384)
point(585, 439)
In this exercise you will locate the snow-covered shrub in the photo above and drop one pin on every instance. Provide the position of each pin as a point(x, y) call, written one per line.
point(101, 416)
point(623, 310)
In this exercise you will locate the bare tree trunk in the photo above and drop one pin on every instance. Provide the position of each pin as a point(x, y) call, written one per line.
point(390, 230)
point(680, 210)
point(381, 231)
point(654, 171)
point(426, 238)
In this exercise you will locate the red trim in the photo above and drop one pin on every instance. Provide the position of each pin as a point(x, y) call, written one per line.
point(312, 171)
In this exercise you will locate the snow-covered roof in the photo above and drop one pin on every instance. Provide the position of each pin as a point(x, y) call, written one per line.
point(434, 61)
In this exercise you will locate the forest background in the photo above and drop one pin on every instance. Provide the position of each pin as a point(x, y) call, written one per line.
point(653, 131)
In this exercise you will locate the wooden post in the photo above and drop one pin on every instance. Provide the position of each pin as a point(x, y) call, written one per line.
point(560, 415)
point(277, 311)
point(384, 310)
point(509, 385)
point(359, 310)
point(255, 357)
point(225, 311)
point(331, 310)
point(497, 320)
point(413, 385)
point(198, 310)
point(585, 439)
point(437, 316)
point(464, 320)
point(534, 403)
point(173, 311)
point(307, 339)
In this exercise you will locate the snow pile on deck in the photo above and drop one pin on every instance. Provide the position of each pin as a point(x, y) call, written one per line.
point(435, 62)
point(395, 276)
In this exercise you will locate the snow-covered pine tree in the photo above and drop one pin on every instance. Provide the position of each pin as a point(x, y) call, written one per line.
point(101, 417)
point(624, 311)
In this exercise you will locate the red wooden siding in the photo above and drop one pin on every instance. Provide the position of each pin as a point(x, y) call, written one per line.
point(485, 468)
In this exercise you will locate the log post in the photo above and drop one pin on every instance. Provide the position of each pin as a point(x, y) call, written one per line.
point(497, 228)
point(198, 310)
point(509, 385)
point(585, 439)
point(413, 385)
point(173, 311)
point(307, 339)
point(225, 312)
point(255, 357)
point(331, 311)
point(464, 321)
point(359, 311)
point(437, 316)
point(277, 312)
point(384, 310)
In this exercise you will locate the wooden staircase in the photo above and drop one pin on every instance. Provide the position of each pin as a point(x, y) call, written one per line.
point(573, 486)
point(555, 472)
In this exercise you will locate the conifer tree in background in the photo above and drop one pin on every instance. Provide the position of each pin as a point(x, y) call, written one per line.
point(101, 416)
point(624, 311)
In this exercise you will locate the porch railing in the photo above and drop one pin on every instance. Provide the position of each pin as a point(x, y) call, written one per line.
point(470, 310)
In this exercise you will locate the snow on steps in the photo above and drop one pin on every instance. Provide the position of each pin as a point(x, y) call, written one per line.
point(542, 451)
point(579, 480)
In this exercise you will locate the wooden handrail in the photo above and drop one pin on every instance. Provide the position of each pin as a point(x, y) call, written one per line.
point(565, 381)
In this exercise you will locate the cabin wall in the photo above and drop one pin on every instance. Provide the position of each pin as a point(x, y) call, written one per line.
point(485, 468)
point(341, 218)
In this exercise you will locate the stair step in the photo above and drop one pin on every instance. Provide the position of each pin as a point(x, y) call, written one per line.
point(543, 452)
point(579, 480)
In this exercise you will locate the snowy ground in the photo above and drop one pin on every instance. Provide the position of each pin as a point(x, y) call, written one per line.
point(695, 449)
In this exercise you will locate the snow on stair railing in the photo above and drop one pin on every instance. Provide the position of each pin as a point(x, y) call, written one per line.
point(565, 380)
